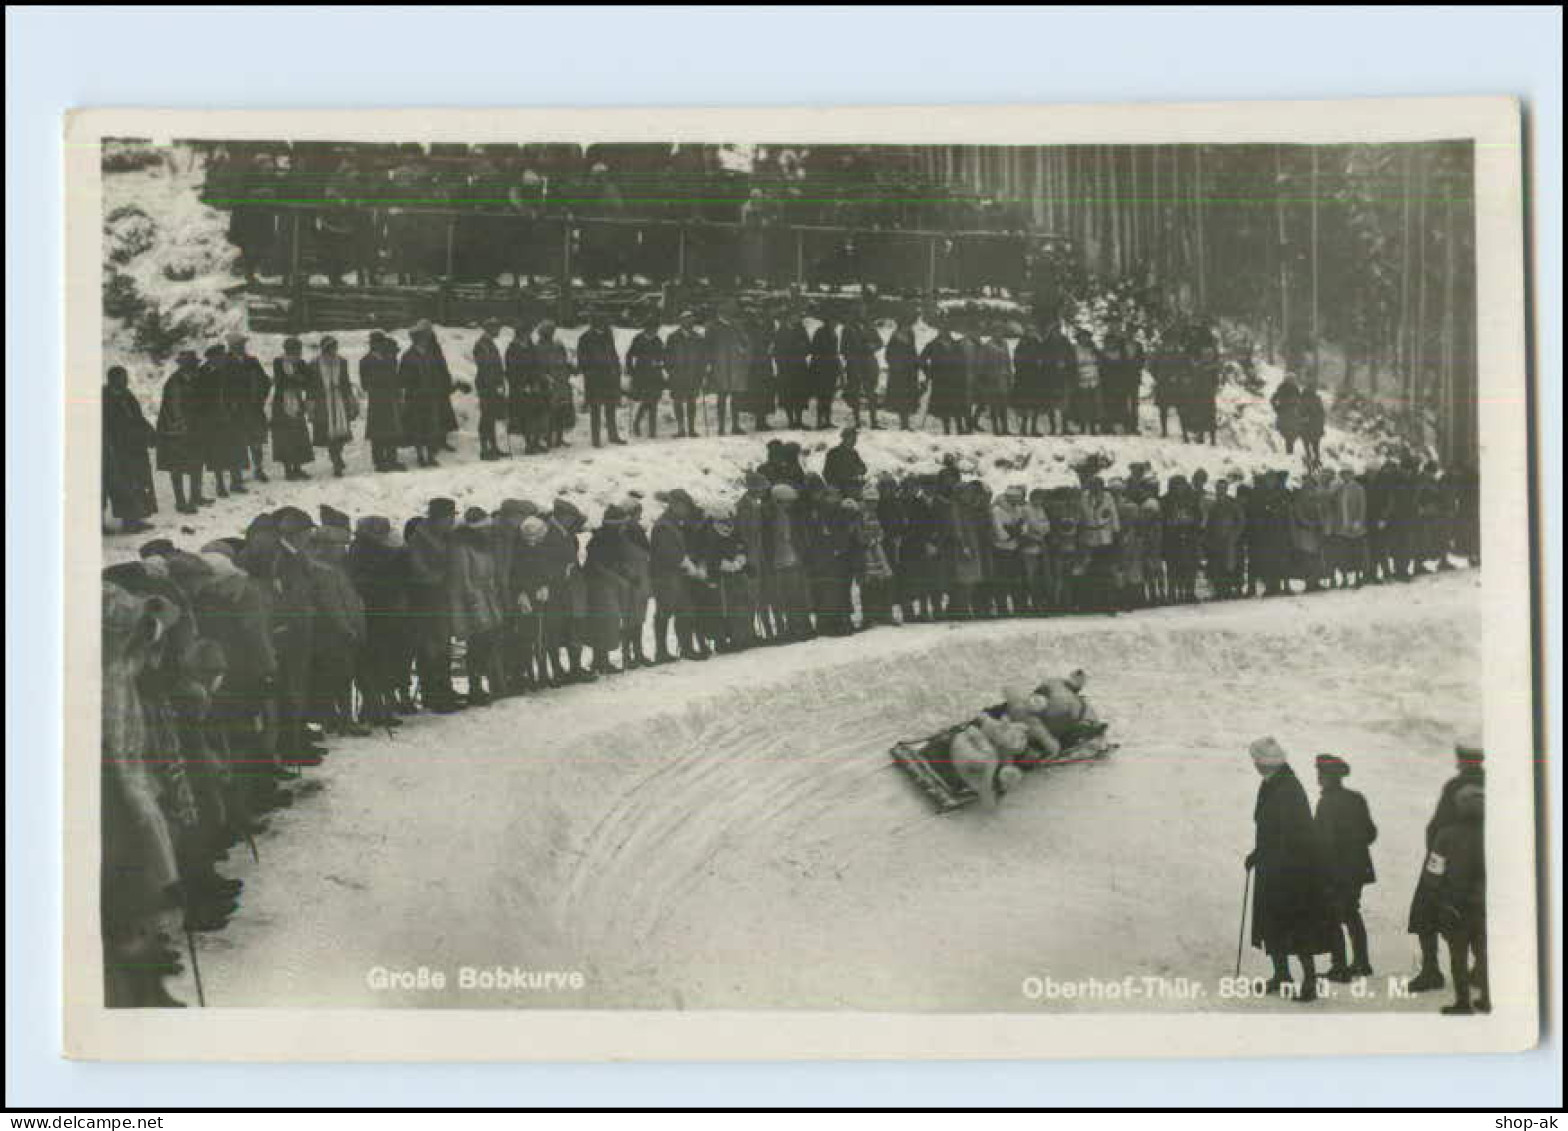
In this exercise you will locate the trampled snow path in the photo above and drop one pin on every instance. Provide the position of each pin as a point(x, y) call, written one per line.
point(732, 834)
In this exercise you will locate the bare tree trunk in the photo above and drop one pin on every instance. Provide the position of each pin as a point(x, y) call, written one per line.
point(1282, 252)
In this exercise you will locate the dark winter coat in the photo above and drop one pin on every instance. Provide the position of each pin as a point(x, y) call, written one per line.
point(903, 373)
point(792, 355)
point(1310, 414)
point(528, 398)
point(427, 388)
point(1424, 905)
point(249, 386)
point(645, 362)
point(1289, 907)
point(947, 369)
point(729, 357)
point(686, 359)
point(219, 416)
point(1345, 837)
point(860, 345)
point(178, 448)
point(473, 587)
point(825, 366)
point(1031, 377)
point(1459, 889)
point(127, 472)
point(1287, 408)
point(291, 388)
point(607, 574)
point(489, 374)
point(600, 365)
point(378, 376)
point(843, 469)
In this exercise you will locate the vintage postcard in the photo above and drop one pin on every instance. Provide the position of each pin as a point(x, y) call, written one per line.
point(880, 582)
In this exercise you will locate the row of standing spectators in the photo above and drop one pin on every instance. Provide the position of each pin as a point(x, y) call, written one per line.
point(219, 413)
point(227, 667)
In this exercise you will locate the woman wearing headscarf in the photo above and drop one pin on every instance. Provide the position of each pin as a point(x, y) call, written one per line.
point(291, 392)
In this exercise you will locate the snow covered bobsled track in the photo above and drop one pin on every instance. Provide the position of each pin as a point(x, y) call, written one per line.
point(757, 848)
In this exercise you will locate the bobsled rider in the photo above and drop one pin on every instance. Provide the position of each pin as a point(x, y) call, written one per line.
point(1054, 715)
point(983, 754)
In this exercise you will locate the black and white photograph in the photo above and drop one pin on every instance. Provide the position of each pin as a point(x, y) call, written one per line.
point(1065, 570)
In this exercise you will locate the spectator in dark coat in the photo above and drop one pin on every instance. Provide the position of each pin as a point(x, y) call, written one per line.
point(601, 369)
point(127, 472)
point(686, 359)
point(860, 344)
point(1345, 837)
point(490, 384)
point(249, 386)
point(1059, 374)
point(1121, 375)
point(1426, 918)
point(792, 356)
point(429, 606)
point(903, 372)
point(179, 450)
point(826, 368)
point(1458, 856)
point(729, 368)
point(673, 569)
point(384, 411)
point(1289, 915)
point(762, 381)
point(645, 362)
point(607, 569)
point(220, 419)
point(947, 371)
point(1310, 418)
point(1287, 411)
point(291, 386)
point(528, 397)
point(842, 467)
point(379, 570)
point(427, 387)
point(1031, 380)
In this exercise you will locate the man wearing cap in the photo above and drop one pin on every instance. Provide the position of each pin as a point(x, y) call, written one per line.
point(645, 362)
point(427, 388)
point(687, 359)
point(842, 467)
point(1457, 862)
point(490, 384)
point(291, 388)
point(1345, 836)
point(384, 408)
point(672, 569)
point(475, 595)
point(179, 451)
point(429, 605)
point(600, 365)
point(334, 404)
point(1425, 920)
point(249, 386)
point(1288, 911)
point(338, 634)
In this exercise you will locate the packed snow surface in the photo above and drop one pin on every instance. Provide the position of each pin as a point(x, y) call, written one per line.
point(733, 834)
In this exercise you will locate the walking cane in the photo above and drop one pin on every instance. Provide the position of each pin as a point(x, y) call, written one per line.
point(1241, 931)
